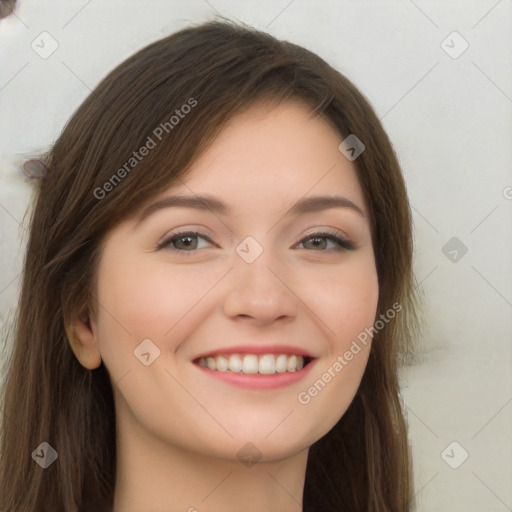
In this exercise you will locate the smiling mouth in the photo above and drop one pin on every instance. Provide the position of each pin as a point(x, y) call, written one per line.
point(254, 364)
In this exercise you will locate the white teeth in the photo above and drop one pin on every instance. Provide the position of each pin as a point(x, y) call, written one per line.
point(281, 361)
point(292, 364)
point(251, 364)
point(221, 364)
point(235, 363)
point(267, 364)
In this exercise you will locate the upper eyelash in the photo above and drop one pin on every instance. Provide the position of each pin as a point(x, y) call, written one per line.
point(343, 243)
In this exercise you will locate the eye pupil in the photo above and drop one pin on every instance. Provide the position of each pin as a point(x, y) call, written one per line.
point(317, 241)
point(189, 241)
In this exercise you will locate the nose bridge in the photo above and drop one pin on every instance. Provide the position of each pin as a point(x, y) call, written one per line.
point(257, 286)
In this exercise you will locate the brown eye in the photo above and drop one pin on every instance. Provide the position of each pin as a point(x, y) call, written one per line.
point(320, 242)
point(183, 242)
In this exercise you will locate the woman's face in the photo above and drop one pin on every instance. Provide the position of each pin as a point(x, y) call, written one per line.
point(253, 282)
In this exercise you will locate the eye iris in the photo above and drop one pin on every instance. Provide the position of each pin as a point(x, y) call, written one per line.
point(187, 244)
point(318, 240)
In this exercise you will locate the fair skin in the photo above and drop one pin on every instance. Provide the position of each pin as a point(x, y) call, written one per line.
point(182, 432)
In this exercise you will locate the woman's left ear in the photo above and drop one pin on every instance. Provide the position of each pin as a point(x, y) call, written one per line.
point(82, 338)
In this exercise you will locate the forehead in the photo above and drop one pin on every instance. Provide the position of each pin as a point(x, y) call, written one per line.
point(279, 150)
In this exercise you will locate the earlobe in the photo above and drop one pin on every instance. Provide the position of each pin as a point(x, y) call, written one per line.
point(83, 342)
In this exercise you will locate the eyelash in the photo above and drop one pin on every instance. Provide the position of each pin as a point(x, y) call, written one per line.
point(331, 235)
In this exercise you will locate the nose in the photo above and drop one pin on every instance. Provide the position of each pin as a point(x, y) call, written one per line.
point(260, 291)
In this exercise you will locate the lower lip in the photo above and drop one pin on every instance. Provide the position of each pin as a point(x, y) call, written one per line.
point(257, 381)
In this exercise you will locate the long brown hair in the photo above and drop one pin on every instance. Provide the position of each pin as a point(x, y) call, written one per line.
point(217, 68)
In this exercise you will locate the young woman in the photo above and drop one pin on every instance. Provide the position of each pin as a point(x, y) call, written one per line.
point(217, 289)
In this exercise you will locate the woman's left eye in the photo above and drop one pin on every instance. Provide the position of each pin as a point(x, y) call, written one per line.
point(321, 241)
point(188, 241)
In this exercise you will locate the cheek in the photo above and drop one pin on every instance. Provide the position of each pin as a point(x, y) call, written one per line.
point(141, 301)
point(148, 301)
point(347, 310)
point(344, 300)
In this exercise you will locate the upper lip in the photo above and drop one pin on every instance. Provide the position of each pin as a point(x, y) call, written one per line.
point(257, 349)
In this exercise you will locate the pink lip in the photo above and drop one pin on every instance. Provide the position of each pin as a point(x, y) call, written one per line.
point(257, 381)
point(257, 349)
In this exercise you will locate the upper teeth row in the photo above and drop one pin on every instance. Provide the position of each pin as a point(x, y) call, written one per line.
point(249, 363)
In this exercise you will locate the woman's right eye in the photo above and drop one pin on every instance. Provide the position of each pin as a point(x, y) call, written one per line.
point(185, 241)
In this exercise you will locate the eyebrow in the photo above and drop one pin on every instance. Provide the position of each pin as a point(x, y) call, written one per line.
point(207, 202)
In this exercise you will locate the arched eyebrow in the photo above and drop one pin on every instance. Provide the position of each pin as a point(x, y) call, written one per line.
point(208, 202)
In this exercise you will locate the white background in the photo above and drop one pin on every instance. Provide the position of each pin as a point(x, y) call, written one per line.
point(450, 122)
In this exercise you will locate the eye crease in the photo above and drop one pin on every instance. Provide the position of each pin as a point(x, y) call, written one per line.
point(332, 236)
